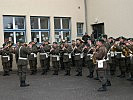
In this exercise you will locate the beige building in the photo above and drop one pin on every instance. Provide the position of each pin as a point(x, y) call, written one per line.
point(41, 19)
point(38, 20)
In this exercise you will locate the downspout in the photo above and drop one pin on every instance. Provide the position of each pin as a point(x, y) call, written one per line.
point(86, 16)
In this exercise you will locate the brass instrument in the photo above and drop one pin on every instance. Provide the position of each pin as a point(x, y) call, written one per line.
point(126, 51)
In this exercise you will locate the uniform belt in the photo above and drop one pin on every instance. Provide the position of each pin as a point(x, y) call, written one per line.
point(55, 55)
point(34, 54)
point(21, 58)
point(118, 52)
point(77, 54)
point(89, 54)
point(5, 56)
point(66, 54)
point(43, 53)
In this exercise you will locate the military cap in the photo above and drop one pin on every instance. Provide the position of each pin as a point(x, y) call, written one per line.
point(100, 40)
point(121, 37)
point(54, 42)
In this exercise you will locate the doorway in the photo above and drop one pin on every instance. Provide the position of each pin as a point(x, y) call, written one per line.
point(98, 30)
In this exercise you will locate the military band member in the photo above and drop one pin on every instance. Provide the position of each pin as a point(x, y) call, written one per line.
point(121, 59)
point(67, 49)
point(131, 59)
point(44, 57)
point(100, 55)
point(78, 57)
point(11, 54)
point(73, 46)
point(22, 53)
point(5, 56)
point(33, 58)
point(55, 57)
point(112, 60)
point(61, 54)
point(88, 52)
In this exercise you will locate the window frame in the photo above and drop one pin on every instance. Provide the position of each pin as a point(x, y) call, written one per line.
point(80, 34)
point(61, 30)
point(14, 30)
point(39, 27)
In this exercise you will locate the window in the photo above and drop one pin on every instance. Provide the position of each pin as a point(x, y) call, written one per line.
point(14, 28)
point(40, 29)
point(62, 29)
point(79, 29)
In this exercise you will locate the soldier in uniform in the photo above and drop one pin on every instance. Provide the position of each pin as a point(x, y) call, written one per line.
point(5, 56)
point(33, 58)
point(44, 57)
point(88, 52)
point(78, 56)
point(112, 60)
point(55, 50)
point(130, 47)
point(121, 60)
point(21, 53)
point(11, 54)
point(67, 49)
point(100, 54)
point(73, 46)
point(61, 54)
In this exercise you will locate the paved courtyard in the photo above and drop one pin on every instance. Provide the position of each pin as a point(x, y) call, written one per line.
point(63, 88)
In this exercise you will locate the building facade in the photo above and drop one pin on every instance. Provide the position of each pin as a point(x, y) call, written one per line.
point(39, 20)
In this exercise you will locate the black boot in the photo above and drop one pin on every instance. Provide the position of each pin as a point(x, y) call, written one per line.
point(55, 73)
point(103, 88)
point(112, 73)
point(80, 73)
point(32, 73)
point(130, 78)
point(77, 74)
point(44, 72)
point(6, 73)
point(23, 84)
point(122, 75)
point(91, 75)
point(67, 73)
point(108, 83)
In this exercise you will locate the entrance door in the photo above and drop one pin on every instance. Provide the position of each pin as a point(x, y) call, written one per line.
point(98, 29)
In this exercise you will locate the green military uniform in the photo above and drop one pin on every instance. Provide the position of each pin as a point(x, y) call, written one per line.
point(121, 60)
point(78, 57)
point(131, 63)
point(55, 58)
point(88, 53)
point(112, 62)
point(100, 55)
point(44, 58)
point(61, 56)
point(5, 56)
point(11, 57)
point(21, 53)
point(67, 59)
point(33, 59)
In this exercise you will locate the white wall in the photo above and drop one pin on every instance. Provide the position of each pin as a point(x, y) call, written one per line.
point(117, 16)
